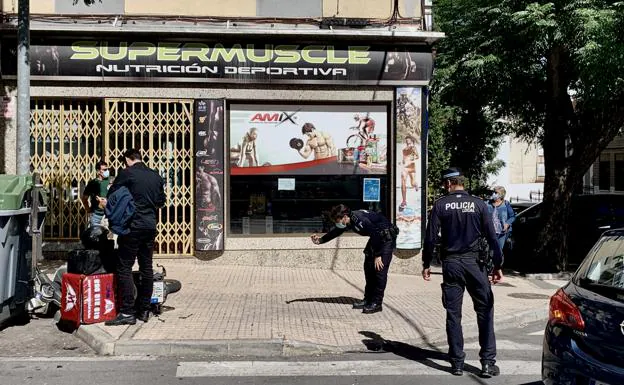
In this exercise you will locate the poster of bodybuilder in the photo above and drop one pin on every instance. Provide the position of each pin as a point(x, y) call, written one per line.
point(209, 221)
point(308, 139)
point(408, 167)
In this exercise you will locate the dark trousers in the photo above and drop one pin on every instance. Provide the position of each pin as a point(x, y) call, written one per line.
point(138, 244)
point(461, 273)
point(376, 280)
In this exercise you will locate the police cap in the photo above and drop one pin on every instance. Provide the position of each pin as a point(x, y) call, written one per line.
point(451, 172)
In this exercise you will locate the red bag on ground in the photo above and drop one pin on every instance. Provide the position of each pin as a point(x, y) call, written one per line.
point(88, 299)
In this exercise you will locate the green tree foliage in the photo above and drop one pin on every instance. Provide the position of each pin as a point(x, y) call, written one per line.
point(463, 131)
point(553, 70)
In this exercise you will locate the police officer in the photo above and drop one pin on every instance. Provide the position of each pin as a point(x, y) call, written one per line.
point(377, 253)
point(458, 223)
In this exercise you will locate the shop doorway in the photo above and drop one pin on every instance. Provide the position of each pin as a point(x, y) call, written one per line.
point(65, 143)
point(162, 130)
point(69, 136)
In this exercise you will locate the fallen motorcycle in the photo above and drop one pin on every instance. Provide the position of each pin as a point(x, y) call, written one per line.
point(162, 288)
point(97, 257)
point(47, 299)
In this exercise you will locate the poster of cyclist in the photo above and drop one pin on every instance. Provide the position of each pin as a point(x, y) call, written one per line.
point(275, 139)
point(408, 167)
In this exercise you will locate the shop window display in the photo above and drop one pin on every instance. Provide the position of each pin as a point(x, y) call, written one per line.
point(290, 164)
point(257, 206)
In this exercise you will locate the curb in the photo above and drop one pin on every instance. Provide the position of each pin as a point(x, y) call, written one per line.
point(100, 341)
point(104, 344)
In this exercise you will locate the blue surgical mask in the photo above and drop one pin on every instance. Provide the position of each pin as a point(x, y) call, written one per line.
point(106, 174)
point(495, 196)
point(341, 225)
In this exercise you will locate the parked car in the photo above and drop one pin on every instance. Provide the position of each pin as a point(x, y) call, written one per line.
point(590, 216)
point(584, 337)
point(519, 207)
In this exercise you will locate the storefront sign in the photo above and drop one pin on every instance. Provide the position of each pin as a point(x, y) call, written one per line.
point(308, 139)
point(371, 190)
point(226, 63)
point(408, 167)
point(209, 174)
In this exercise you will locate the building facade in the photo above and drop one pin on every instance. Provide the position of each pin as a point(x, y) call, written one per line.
point(260, 116)
point(607, 173)
point(523, 173)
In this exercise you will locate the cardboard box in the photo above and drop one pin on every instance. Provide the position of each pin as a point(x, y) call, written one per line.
point(88, 299)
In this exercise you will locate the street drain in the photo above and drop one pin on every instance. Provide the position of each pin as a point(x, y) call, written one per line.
point(528, 296)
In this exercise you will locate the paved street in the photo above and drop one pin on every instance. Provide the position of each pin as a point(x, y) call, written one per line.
point(40, 337)
point(321, 338)
point(396, 363)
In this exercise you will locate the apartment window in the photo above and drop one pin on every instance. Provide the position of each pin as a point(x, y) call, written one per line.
point(541, 170)
point(604, 172)
point(619, 172)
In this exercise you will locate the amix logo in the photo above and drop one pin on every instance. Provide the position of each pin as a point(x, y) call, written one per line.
point(273, 117)
point(70, 297)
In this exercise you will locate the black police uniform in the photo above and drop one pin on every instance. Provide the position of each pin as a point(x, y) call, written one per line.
point(462, 220)
point(382, 242)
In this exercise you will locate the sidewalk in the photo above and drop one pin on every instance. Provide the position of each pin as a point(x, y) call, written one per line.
point(273, 311)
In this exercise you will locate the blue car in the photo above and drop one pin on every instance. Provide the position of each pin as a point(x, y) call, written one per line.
point(584, 338)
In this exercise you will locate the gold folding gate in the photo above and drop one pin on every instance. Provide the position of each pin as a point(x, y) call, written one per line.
point(162, 129)
point(66, 142)
point(69, 136)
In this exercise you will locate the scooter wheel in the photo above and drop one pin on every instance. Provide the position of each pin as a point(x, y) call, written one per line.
point(173, 285)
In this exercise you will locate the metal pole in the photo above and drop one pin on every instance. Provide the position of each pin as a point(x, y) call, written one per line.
point(35, 226)
point(23, 88)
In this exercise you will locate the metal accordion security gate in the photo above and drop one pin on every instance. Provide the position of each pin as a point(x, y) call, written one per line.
point(162, 130)
point(65, 144)
point(69, 136)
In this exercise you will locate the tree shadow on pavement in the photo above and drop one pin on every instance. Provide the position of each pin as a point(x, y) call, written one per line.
point(339, 300)
point(377, 343)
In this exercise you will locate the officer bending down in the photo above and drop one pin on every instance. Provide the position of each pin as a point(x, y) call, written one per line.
point(377, 253)
point(462, 220)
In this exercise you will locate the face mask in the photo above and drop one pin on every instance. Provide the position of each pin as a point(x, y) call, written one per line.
point(106, 174)
point(495, 197)
point(341, 225)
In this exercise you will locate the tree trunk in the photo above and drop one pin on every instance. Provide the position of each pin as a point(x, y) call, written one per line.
point(552, 251)
point(589, 135)
point(559, 182)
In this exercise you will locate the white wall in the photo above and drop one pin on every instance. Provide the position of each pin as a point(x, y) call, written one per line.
point(508, 152)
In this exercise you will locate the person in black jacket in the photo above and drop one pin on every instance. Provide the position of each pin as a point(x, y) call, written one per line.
point(377, 253)
point(458, 223)
point(147, 189)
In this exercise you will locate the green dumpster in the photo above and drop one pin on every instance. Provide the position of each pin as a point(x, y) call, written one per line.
point(15, 243)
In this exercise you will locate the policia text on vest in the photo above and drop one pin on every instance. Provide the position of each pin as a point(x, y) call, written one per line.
point(458, 222)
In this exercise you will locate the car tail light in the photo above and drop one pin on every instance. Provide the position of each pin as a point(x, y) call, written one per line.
point(564, 312)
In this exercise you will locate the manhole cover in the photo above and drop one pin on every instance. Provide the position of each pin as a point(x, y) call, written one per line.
point(529, 296)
